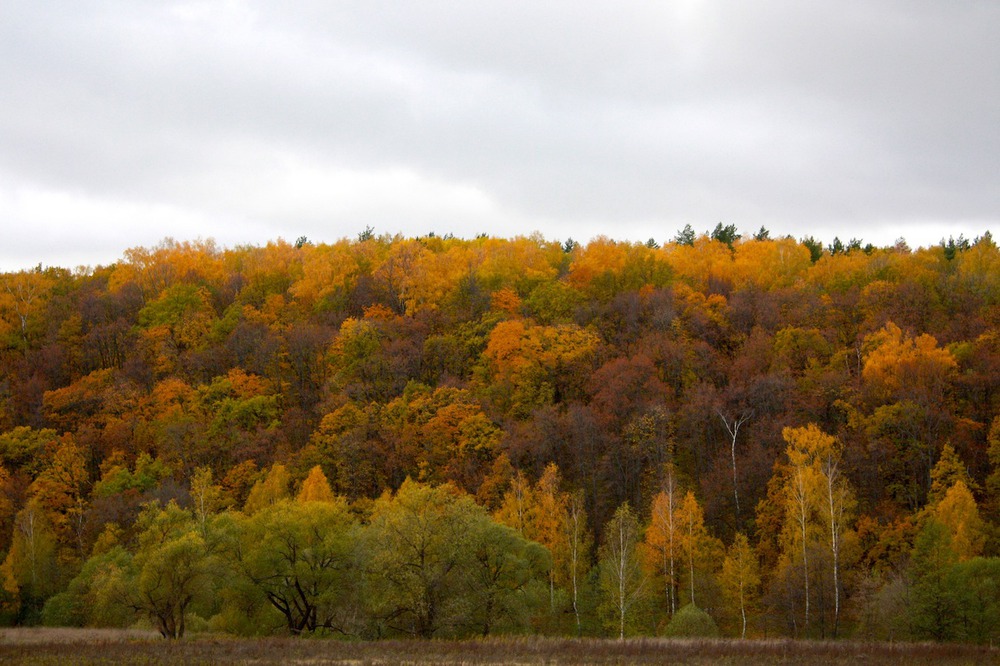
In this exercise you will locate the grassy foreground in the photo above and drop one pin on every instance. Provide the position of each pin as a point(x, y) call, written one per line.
point(87, 646)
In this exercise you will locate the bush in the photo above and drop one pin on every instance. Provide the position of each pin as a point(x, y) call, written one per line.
point(691, 622)
point(63, 610)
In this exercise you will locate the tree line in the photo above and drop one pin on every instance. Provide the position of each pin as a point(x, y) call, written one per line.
point(748, 436)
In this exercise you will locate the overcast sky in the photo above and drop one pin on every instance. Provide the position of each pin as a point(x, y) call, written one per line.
point(124, 122)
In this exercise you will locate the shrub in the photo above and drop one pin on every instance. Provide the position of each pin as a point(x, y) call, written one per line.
point(691, 622)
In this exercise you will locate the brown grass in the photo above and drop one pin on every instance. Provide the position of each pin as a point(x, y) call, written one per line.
point(95, 646)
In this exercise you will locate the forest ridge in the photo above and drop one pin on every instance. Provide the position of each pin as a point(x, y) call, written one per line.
point(436, 436)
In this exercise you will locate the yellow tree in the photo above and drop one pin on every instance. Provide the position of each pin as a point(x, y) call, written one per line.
point(769, 263)
point(328, 273)
point(948, 471)
point(662, 539)
point(29, 573)
point(838, 505)
point(528, 365)
point(958, 512)
point(60, 489)
point(805, 446)
point(206, 497)
point(550, 526)
point(541, 514)
point(907, 388)
point(268, 491)
point(315, 488)
point(819, 504)
point(22, 296)
point(695, 542)
point(740, 577)
point(518, 505)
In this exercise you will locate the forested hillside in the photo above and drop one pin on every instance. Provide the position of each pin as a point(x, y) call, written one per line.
point(446, 437)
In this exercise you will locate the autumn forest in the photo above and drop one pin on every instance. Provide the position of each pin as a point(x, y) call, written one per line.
point(385, 437)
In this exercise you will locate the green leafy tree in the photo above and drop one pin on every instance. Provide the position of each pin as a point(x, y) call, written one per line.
point(417, 551)
point(976, 583)
point(504, 579)
point(300, 557)
point(94, 596)
point(935, 602)
point(172, 568)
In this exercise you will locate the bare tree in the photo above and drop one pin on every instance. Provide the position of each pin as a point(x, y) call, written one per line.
point(733, 428)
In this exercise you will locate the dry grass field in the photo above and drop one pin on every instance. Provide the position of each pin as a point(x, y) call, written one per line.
point(95, 646)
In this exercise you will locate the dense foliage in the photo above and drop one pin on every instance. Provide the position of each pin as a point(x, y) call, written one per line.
point(444, 437)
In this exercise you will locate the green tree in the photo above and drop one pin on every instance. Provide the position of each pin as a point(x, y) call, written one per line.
point(725, 234)
point(977, 586)
point(94, 596)
point(504, 579)
point(172, 568)
point(417, 553)
point(579, 541)
point(815, 248)
point(935, 602)
point(300, 556)
point(622, 580)
point(685, 236)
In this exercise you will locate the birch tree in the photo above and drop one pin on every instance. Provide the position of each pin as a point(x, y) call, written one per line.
point(733, 429)
point(621, 577)
point(662, 539)
point(741, 577)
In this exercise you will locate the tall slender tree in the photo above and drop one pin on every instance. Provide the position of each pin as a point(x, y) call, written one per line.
point(621, 577)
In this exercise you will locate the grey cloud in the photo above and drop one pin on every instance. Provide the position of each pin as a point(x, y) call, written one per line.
point(621, 117)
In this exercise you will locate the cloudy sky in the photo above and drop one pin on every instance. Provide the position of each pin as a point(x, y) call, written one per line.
point(124, 122)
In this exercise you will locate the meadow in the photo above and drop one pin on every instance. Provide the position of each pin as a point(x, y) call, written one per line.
point(89, 646)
